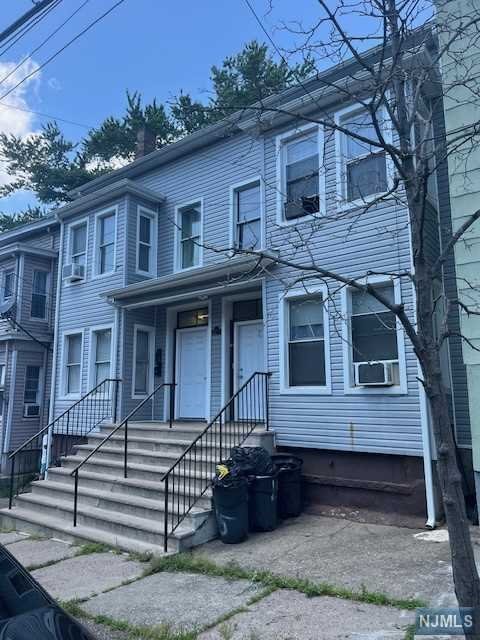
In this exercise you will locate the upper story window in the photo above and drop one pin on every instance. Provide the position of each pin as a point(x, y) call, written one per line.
point(105, 243)
point(300, 165)
point(102, 350)
point(189, 222)
point(73, 363)
point(363, 166)
point(146, 242)
point(2, 388)
point(247, 211)
point(374, 339)
point(78, 243)
point(38, 308)
point(8, 284)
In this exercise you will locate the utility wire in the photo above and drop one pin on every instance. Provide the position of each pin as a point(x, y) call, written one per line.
point(26, 17)
point(28, 27)
point(49, 37)
point(47, 115)
point(65, 46)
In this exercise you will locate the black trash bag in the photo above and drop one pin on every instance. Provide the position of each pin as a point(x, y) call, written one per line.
point(230, 500)
point(250, 461)
point(231, 479)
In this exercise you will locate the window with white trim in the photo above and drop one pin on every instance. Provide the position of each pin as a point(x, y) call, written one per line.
point(142, 374)
point(102, 350)
point(363, 165)
point(32, 384)
point(300, 175)
point(8, 284)
point(38, 309)
point(190, 234)
point(247, 211)
point(146, 242)
point(306, 342)
point(73, 363)
point(105, 240)
point(373, 333)
point(78, 243)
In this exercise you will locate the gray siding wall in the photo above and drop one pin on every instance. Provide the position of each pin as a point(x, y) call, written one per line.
point(81, 307)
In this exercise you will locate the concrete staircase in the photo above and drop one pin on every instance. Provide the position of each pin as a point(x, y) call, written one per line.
point(124, 513)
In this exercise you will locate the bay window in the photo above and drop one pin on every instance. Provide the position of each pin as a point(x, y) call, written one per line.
point(146, 242)
point(190, 236)
point(38, 309)
point(105, 243)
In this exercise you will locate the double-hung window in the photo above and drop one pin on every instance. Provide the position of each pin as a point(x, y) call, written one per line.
point(73, 363)
point(190, 232)
point(247, 209)
point(146, 242)
point(78, 243)
point(39, 295)
point(300, 186)
point(363, 165)
point(31, 394)
point(306, 342)
point(2, 388)
point(142, 365)
point(105, 243)
point(8, 284)
point(374, 340)
point(102, 350)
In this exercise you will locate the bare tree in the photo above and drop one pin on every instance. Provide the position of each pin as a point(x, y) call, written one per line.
point(389, 54)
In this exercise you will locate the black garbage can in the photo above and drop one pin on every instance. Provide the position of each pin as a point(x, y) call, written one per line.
point(230, 499)
point(289, 469)
point(262, 505)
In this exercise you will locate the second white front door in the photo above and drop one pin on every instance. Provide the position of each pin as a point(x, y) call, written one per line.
point(249, 357)
point(191, 367)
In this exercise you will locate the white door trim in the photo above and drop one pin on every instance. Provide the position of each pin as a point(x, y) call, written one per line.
point(236, 325)
point(204, 329)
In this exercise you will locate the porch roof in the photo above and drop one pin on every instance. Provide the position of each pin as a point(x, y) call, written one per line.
point(210, 279)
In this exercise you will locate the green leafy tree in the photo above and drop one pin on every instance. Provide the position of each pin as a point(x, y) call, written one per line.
point(8, 222)
point(50, 166)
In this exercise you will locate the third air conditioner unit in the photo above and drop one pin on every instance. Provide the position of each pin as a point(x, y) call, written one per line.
point(374, 374)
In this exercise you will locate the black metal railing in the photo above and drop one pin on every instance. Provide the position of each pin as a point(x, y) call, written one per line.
point(122, 425)
point(58, 438)
point(191, 475)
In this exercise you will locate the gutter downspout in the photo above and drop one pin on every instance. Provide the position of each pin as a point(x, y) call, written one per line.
point(48, 438)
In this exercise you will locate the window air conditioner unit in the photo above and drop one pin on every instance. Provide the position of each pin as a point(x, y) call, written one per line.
point(374, 374)
point(31, 410)
point(73, 272)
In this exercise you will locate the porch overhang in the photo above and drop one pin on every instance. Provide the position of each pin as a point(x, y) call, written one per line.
point(241, 272)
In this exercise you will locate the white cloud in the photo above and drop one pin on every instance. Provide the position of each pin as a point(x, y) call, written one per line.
point(20, 123)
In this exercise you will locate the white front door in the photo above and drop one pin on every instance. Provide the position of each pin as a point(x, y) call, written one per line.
point(249, 357)
point(191, 370)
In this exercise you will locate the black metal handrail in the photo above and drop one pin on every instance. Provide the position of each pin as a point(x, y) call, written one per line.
point(62, 433)
point(192, 473)
point(123, 423)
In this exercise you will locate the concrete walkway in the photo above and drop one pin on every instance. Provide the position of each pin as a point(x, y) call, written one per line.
point(216, 593)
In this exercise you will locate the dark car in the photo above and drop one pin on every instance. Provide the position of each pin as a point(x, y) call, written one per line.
point(27, 612)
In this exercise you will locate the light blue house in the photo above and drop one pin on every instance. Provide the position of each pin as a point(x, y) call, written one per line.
point(151, 293)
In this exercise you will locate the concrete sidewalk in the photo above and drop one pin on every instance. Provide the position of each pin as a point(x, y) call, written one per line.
point(187, 598)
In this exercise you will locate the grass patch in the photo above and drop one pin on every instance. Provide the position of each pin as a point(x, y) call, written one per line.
point(135, 632)
point(92, 547)
point(410, 633)
point(186, 562)
point(140, 557)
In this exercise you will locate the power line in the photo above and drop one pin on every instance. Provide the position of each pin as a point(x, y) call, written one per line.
point(47, 115)
point(28, 27)
point(26, 17)
point(49, 37)
point(65, 46)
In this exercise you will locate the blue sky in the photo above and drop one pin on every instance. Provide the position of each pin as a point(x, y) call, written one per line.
point(157, 47)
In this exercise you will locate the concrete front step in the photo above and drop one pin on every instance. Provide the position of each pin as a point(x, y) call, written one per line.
point(146, 508)
point(205, 457)
point(114, 522)
point(132, 487)
point(35, 522)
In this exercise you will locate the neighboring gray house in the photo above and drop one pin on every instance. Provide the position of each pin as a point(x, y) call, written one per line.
point(28, 283)
point(149, 293)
